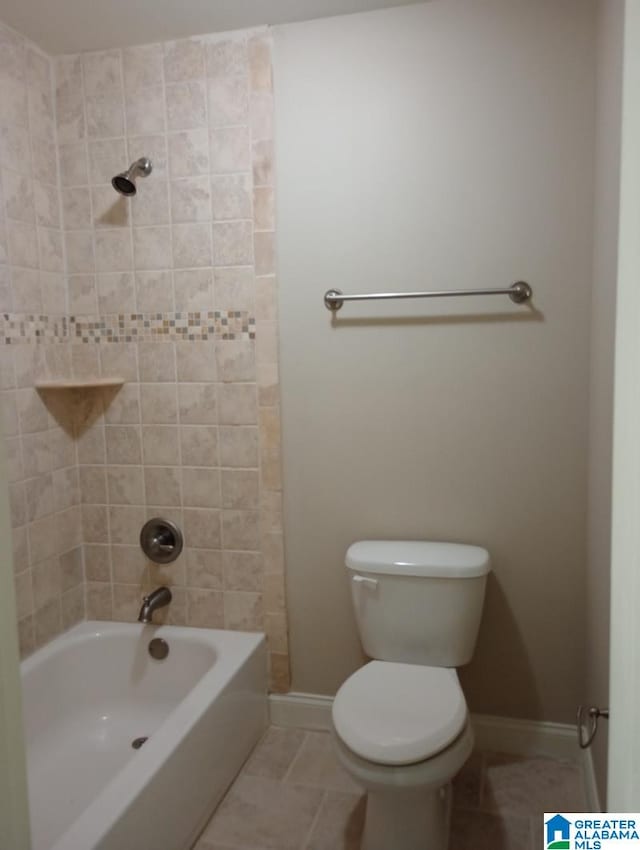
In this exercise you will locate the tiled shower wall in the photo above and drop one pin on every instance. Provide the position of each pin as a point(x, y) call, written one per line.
point(174, 291)
point(43, 476)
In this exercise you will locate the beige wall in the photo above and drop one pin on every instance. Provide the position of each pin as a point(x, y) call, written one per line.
point(609, 91)
point(441, 145)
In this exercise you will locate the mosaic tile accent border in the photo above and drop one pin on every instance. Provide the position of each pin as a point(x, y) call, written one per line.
point(163, 327)
point(22, 327)
point(128, 327)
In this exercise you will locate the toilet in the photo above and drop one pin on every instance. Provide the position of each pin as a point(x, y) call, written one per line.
point(401, 722)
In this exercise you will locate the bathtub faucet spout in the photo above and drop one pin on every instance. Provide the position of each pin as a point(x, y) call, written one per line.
point(160, 597)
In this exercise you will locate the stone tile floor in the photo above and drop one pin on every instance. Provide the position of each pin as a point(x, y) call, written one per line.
point(293, 795)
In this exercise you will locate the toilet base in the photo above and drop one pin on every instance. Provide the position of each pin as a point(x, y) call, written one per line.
point(408, 806)
point(409, 820)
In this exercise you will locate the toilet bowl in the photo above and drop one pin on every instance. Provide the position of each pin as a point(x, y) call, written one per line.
point(402, 733)
point(400, 722)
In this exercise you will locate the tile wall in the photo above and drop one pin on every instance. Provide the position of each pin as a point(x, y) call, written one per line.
point(43, 476)
point(175, 292)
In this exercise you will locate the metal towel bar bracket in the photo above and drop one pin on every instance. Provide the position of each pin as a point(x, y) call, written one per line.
point(520, 292)
point(587, 722)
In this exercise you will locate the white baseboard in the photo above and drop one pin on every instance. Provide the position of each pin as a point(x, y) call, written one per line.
point(302, 711)
point(525, 737)
point(497, 734)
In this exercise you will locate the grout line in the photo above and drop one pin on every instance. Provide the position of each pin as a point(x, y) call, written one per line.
point(32, 180)
point(316, 818)
point(285, 778)
point(179, 475)
point(15, 390)
point(100, 421)
point(251, 182)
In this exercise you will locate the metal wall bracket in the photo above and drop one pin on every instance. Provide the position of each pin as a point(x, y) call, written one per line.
point(587, 719)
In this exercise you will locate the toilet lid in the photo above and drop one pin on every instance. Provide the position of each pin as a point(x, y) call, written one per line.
point(395, 714)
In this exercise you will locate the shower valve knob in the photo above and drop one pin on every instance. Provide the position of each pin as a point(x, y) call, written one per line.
point(161, 540)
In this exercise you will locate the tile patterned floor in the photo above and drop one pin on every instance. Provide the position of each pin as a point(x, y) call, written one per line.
point(293, 795)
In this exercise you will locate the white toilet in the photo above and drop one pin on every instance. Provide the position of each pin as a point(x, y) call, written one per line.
point(401, 721)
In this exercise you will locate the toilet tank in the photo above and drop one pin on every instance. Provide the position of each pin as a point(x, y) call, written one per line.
point(416, 601)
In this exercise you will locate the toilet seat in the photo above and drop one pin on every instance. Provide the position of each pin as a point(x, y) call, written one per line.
point(398, 714)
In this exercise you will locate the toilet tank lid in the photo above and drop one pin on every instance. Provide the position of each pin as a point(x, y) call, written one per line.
point(418, 558)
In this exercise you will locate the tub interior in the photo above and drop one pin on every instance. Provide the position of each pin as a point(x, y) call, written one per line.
point(85, 706)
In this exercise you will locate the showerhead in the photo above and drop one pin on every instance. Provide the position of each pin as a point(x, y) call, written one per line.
point(125, 183)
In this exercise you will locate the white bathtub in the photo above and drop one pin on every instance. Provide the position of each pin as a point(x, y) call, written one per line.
point(92, 691)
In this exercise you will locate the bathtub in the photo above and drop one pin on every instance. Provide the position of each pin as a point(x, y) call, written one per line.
point(94, 690)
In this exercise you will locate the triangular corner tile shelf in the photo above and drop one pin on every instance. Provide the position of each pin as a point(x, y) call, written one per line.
point(80, 384)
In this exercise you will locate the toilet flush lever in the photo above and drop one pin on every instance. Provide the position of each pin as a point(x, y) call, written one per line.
point(370, 582)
